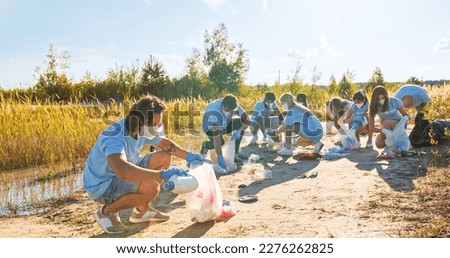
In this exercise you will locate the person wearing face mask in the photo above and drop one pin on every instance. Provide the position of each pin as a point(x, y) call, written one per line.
point(301, 99)
point(390, 111)
point(413, 96)
point(357, 117)
point(337, 109)
point(261, 115)
point(301, 121)
point(219, 118)
point(118, 177)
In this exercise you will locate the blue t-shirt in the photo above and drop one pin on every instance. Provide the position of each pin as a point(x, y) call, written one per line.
point(346, 105)
point(418, 94)
point(214, 115)
point(261, 110)
point(392, 113)
point(359, 111)
point(310, 126)
point(114, 140)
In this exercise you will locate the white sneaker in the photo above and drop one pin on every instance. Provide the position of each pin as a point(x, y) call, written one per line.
point(317, 147)
point(285, 152)
point(111, 224)
point(254, 140)
point(151, 214)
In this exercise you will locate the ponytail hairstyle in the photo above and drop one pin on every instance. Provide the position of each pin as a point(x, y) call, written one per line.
point(361, 96)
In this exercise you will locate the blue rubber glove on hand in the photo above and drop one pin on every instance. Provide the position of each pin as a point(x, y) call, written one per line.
point(236, 135)
point(354, 125)
point(358, 119)
point(221, 162)
point(167, 173)
point(191, 157)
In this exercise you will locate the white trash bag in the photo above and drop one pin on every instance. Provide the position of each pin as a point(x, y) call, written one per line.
point(349, 141)
point(397, 140)
point(204, 203)
point(228, 152)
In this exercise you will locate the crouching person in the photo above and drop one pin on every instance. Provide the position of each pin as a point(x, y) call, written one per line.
point(301, 121)
point(117, 177)
point(224, 116)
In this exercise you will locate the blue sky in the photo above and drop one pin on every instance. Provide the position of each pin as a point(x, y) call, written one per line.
point(404, 38)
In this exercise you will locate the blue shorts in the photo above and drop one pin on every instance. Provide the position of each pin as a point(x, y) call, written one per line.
point(119, 187)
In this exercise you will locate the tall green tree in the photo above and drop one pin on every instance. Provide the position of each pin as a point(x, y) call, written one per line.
point(52, 83)
point(333, 86)
point(120, 83)
point(376, 79)
point(153, 78)
point(226, 63)
point(295, 80)
point(346, 87)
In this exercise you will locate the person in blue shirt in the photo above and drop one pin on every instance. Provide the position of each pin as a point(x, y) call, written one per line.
point(117, 176)
point(413, 96)
point(357, 116)
point(301, 121)
point(337, 109)
point(223, 116)
point(389, 110)
point(261, 115)
point(301, 99)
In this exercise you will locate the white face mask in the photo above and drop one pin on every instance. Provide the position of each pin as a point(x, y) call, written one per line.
point(152, 131)
point(225, 113)
point(301, 103)
point(381, 101)
point(360, 105)
point(285, 107)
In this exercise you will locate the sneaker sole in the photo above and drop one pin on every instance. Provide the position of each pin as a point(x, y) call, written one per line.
point(132, 220)
point(106, 230)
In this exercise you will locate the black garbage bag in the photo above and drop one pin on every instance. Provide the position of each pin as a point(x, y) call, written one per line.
point(438, 129)
point(419, 136)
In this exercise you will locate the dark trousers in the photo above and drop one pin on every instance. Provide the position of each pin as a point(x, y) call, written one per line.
point(235, 124)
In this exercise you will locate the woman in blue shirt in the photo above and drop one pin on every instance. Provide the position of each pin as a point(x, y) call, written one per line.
point(302, 121)
point(390, 110)
point(357, 117)
point(337, 109)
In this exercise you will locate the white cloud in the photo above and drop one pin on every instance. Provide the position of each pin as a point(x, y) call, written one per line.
point(214, 4)
point(304, 54)
point(442, 44)
point(265, 5)
point(331, 50)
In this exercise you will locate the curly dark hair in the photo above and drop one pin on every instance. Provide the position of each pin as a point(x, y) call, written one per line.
point(142, 111)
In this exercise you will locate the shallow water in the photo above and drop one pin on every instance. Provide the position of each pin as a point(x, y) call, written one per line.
point(25, 194)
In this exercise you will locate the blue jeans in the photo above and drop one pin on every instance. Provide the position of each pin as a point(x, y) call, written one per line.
point(119, 187)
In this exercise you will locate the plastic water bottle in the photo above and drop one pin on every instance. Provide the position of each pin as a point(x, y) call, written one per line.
point(180, 184)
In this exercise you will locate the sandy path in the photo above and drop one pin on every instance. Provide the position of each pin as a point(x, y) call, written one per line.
point(339, 202)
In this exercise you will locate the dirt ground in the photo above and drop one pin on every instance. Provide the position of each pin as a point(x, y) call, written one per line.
point(303, 199)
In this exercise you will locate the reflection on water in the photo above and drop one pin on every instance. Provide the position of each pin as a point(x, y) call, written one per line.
point(21, 196)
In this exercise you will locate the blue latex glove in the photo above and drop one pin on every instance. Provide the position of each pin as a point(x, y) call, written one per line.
point(221, 162)
point(354, 125)
point(236, 135)
point(191, 157)
point(358, 119)
point(167, 173)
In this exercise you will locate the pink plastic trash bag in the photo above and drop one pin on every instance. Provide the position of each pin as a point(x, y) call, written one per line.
point(205, 203)
point(229, 209)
